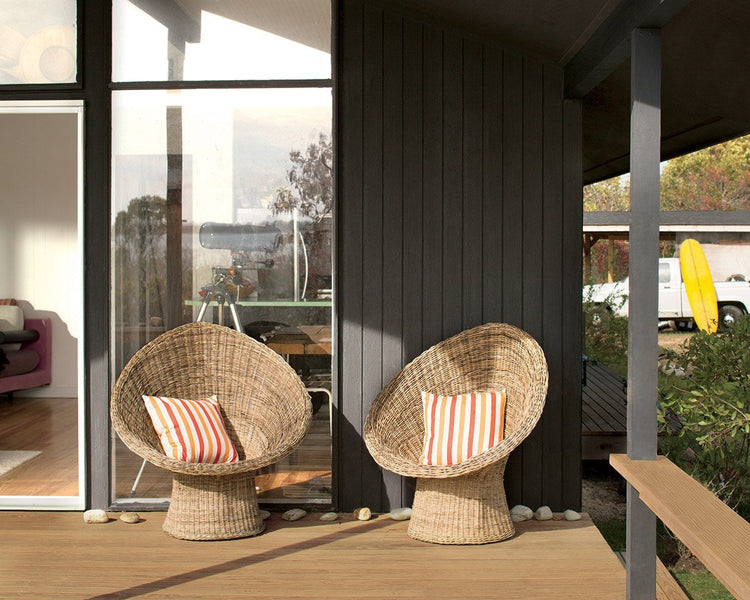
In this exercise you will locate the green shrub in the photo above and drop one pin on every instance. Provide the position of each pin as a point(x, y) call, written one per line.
point(705, 411)
point(606, 334)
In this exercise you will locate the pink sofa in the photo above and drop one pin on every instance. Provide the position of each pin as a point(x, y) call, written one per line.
point(42, 373)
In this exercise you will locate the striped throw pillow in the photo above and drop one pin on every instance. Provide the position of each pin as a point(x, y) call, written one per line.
point(191, 430)
point(462, 426)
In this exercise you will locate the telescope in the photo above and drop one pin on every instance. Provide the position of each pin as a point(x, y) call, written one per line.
point(239, 237)
point(249, 243)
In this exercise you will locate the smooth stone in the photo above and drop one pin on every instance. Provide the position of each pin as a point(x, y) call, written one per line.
point(571, 515)
point(400, 514)
point(521, 513)
point(264, 514)
point(95, 515)
point(362, 514)
point(543, 513)
point(329, 516)
point(130, 517)
point(294, 514)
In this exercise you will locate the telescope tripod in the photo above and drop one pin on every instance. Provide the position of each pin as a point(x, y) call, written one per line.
point(222, 295)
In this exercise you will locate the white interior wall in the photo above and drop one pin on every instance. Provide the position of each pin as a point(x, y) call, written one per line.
point(38, 233)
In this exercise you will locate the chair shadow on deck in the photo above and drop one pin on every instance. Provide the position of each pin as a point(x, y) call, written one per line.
point(250, 560)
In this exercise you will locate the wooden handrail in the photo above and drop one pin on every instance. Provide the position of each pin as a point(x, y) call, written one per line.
point(712, 531)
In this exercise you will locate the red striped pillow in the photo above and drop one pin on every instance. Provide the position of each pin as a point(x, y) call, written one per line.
point(191, 430)
point(459, 427)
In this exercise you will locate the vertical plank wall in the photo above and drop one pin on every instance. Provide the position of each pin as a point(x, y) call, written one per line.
point(459, 203)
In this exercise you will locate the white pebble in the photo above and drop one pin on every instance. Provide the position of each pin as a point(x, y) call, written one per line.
point(362, 514)
point(264, 514)
point(329, 516)
point(130, 517)
point(571, 515)
point(95, 515)
point(400, 514)
point(543, 513)
point(294, 514)
point(521, 513)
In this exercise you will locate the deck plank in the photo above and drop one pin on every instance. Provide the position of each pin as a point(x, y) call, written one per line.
point(305, 559)
point(603, 402)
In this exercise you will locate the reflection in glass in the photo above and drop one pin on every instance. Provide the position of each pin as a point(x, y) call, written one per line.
point(37, 41)
point(206, 40)
point(222, 208)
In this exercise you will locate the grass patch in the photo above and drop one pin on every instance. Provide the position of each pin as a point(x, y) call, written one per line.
point(702, 585)
point(613, 531)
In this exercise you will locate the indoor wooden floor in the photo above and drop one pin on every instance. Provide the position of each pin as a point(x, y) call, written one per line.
point(56, 555)
point(49, 425)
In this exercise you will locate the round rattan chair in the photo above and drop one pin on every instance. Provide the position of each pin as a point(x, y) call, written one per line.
point(463, 503)
point(265, 408)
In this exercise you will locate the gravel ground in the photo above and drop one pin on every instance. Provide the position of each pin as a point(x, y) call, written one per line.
point(602, 499)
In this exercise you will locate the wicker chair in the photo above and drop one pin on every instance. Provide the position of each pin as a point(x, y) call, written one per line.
point(463, 503)
point(266, 410)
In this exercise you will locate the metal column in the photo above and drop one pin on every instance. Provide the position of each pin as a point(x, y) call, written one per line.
point(645, 142)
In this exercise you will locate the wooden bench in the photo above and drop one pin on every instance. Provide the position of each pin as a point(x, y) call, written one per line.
point(713, 532)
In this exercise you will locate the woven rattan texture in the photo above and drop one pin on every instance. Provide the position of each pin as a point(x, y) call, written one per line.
point(486, 358)
point(470, 509)
point(226, 507)
point(265, 407)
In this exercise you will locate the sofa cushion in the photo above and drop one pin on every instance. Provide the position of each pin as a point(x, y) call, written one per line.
point(19, 362)
point(11, 319)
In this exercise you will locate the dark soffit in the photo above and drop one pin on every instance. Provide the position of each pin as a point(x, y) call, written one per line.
point(705, 90)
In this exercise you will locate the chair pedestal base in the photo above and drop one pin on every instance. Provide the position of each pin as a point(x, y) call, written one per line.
point(213, 508)
point(469, 509)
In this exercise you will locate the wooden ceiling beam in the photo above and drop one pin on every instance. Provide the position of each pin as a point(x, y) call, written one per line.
point(609, 46)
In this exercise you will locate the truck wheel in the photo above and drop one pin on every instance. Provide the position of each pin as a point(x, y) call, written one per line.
point(681, 325)
point(729, 315)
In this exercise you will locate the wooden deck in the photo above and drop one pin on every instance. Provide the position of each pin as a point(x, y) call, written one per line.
point(603, 413)
point(56, 555)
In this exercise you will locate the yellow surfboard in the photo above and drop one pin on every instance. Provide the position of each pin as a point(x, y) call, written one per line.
point(699, 285)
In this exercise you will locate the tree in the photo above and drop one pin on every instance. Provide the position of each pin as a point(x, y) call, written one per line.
point(605, 261)
point(608, 195)
point(716, 178)
point(140, 258)
point(310, 177)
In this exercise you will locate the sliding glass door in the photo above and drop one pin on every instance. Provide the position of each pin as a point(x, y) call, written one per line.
point(222, 200)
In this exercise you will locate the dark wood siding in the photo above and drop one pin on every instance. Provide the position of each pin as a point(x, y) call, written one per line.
point(459, 202)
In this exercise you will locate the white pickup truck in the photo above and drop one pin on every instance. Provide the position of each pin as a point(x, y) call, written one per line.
point(733, 296)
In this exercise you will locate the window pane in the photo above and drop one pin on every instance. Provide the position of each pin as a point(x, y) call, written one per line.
point(195, 40)
point(205, 183)
point(37, 41)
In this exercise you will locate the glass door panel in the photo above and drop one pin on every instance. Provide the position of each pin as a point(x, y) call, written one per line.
point(194, 40)
point(38, 41)
point(227, 189)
